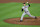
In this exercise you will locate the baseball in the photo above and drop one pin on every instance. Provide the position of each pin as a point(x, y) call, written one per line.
point(27, 2)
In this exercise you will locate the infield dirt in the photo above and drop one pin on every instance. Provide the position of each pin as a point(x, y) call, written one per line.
point(26, 21)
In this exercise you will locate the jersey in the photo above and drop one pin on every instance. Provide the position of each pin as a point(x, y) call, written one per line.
point(25, 8)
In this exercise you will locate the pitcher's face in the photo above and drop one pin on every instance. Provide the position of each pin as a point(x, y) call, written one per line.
point(24, 5)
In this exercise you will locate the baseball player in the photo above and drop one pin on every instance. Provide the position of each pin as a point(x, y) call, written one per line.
point(26, 11)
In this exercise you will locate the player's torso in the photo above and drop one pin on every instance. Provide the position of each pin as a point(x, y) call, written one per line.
point(25, 8)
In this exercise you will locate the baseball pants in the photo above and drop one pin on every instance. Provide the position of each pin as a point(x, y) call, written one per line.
point(28, 13)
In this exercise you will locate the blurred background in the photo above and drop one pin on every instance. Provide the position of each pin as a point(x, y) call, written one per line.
point(22, 1)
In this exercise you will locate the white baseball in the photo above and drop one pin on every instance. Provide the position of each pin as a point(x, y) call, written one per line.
point(27, 2)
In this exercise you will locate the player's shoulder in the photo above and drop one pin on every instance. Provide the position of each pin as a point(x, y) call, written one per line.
point(22, 6)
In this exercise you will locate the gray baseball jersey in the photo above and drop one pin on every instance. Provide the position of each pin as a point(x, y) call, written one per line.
point(25, 8)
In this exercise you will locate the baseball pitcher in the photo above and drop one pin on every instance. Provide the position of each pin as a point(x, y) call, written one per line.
point(26, 11)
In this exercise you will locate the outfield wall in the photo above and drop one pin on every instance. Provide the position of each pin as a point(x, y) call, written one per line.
point(22, 1)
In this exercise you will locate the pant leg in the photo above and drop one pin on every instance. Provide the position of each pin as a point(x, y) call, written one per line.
point(28, 13)
point(22, 16)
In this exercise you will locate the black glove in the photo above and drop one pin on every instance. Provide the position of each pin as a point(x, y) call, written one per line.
point(22, 10)
point(29, 4)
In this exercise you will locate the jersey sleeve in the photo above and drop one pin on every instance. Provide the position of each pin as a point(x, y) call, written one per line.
point(22, 7)
point(27, 5)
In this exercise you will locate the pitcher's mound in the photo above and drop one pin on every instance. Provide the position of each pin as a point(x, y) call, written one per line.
point(26, 21)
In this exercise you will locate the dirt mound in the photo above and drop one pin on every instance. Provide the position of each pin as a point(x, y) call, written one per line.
point(26, 21)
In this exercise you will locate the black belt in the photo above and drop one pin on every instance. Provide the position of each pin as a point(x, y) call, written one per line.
point(26, 11)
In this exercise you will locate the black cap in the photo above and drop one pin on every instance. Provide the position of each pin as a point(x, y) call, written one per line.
point(23, 3)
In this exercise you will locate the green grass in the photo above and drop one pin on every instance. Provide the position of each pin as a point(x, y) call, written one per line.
point(13, 10)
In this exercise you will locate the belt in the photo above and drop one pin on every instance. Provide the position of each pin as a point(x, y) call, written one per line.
point(26, 11)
